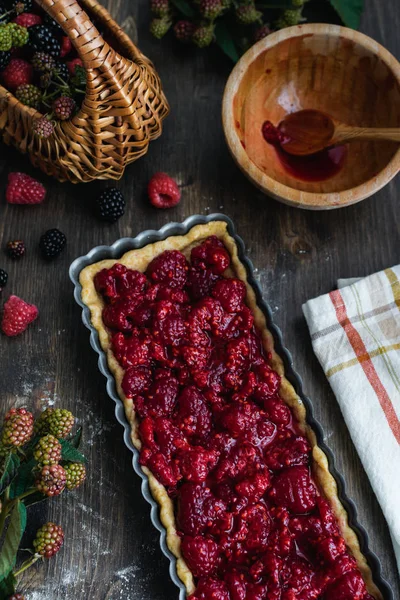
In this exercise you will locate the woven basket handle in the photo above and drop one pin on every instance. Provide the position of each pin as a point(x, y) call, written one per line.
point(85, 37)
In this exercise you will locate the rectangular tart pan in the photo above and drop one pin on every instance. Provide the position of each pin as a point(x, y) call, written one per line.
point(150, 236)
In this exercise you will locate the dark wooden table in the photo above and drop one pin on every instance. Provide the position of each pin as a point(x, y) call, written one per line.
point(111, 550)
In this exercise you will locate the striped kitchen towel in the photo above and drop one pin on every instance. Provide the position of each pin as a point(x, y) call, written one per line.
point(355, 333)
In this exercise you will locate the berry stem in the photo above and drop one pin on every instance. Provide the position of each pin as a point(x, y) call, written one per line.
point(26, 564)
point(9, 504)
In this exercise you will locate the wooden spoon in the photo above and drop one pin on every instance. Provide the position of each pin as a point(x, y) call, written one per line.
point(309, 131)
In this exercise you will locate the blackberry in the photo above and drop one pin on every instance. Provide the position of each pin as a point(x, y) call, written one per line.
point(57, 421)
point(29, 94)
point(48, 450)
point(17, 428)
point(5, 58)
point(16, 596)
point(19, 6)
point(19, 35)
point(42, 39)
point(5, 38)
point(183, 31)
point(203, 36)
point(52, 243)
point(15, 249)
point(51, 480)
point(49, 539)
point(76, 475)
point(63, 107)
point(53, 25)
point(248, 14)
point(110, 205)
point(160, 26)
point(3, 279)
point(62, 70)
point(43, 127)
point(43, 62)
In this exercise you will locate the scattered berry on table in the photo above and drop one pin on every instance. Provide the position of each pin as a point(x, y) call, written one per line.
point(3, 279)
point(51, 480)
point(163, 191)
point(48, 450)
point(63, 107)
point(17, 428)
point(160, 8)
point(19, 35)
point(16, 597)
point(160, 26)
point(261, 33)
point(66, 46)
point(17, 315)
point(76, 475)
point(203, 35)
point(57, 421)
point(42, 39)
point(23, 189)
point(43, 62)
point(17, 72)
point(72, 64)
point(52, 243)
point(5, 37)
point(49, 539)
point(211, 9)
point(183, 31)
point(110, 205)
point(29, 94)
point(28, 19)
point(43, 127)
point(5, 58)
point(248, 14)
point(15, 249)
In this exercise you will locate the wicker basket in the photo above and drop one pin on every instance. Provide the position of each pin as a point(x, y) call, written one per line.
point(122, 111)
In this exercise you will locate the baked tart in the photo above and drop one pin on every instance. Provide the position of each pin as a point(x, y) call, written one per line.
point(249, 505)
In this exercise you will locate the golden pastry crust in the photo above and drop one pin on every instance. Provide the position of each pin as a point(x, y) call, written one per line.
point(139, 260)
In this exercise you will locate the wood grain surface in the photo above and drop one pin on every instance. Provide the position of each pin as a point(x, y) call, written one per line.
point(111, 550)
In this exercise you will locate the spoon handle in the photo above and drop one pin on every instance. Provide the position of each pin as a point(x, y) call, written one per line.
point(348, 133)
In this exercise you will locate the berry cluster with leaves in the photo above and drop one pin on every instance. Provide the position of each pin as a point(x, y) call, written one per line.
point(234, 24)
point(38, 459)
point(39, 65)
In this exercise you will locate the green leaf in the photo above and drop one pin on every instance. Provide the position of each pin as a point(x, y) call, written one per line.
point(12, 539)
point(225, 41)
point(184, 7)
point(10, 471)
point(7, 586)
point(349, 11)
point(75, 440)
point(24, 480)
point(69, 452)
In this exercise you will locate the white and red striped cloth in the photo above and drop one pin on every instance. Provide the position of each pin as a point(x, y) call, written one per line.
point(355, 333)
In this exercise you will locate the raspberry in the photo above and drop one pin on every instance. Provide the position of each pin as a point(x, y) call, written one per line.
point(23, 189)
point(48, 450)
point(16, 73)
point(49, 539)
point(43, 127)
point(248, 14)
point(261, 33)
point(28, 19)
point(159, 27)
point(196, 463)
point(289, 452)
point(29, 94)
point(17, 428)
point(200, 282)
point(163, 191)
point(17, 315)
point(211, 254)
point(42, 39)
point(76, 475)
point(51, 480)
point(57, 421)
point(211, 9)
point(200, 554)
point(5, 37)
point(169, 268)
point(63, 107)
point(51, 243)
point(5, 58)
point(212, 589)
point(110, 205)
point(3, 279)
point(15, 249)
point(19, 35)
point(203, 35)
point(294, 490)
point(72, 64)
point(160, 8)
point(66, 46)
point(192, 414)
point(136, 381)
point(231, 293)
point(45, 63)
point(183, 31)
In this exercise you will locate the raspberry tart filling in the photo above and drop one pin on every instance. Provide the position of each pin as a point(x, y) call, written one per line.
point(252, 518)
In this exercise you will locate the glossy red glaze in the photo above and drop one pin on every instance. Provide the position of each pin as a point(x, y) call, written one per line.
point(217, 435)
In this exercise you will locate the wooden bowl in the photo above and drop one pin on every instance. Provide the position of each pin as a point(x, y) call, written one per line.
point(334, 69)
